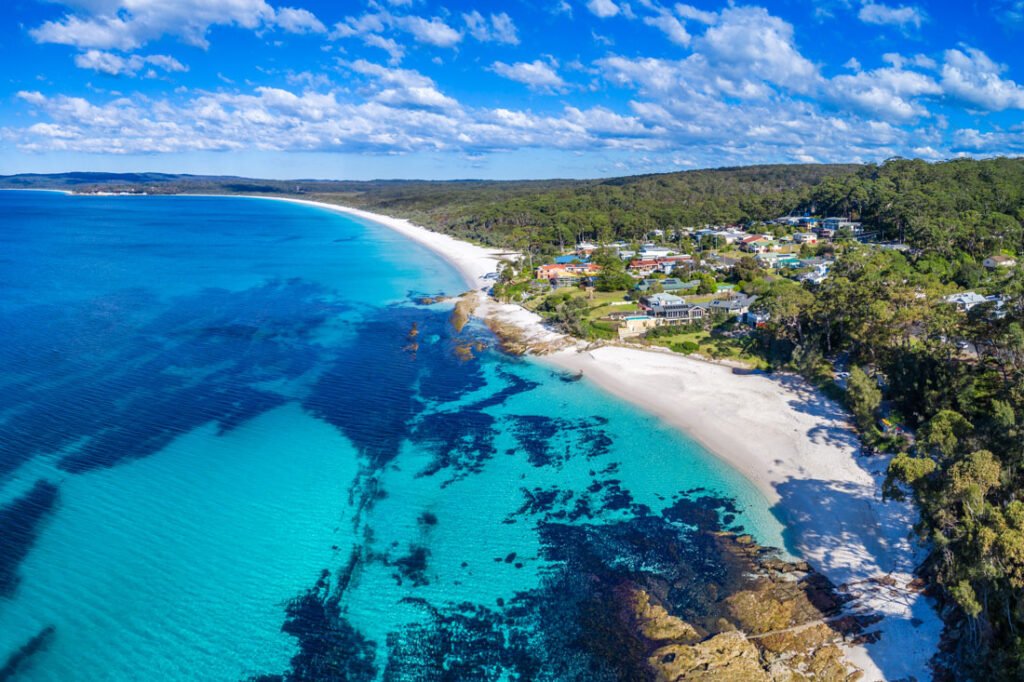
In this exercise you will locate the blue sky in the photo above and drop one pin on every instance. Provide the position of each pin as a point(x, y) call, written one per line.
point(517, 89)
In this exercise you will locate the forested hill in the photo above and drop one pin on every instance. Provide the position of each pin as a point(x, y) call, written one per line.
point(965, 205)
point(508, 212)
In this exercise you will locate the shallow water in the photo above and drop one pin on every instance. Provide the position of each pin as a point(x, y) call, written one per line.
point(224, 453)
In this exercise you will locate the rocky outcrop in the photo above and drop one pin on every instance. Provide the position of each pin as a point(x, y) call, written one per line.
point(786, 625)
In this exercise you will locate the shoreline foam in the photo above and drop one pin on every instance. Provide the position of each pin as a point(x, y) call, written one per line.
point(794, 444)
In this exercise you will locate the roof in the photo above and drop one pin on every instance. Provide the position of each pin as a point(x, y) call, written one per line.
point(664, 299)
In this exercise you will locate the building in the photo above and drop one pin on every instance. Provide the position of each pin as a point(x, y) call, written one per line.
point(734, 305)
point(671, 308)
point(648, 251)
point(756, 243)
point(993, 262)
point(560, 271)
point(643, 267)
point(836, 224)
point(805, 238)
point(965, 300)
point(571, 258)
point(771, 261)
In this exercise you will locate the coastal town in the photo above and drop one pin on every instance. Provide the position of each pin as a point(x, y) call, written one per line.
point(697, 289)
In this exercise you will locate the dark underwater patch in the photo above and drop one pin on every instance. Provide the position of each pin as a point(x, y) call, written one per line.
point(125, 382)
point(21, 658)
point(20, 524)
point(329, 647)
point(373, 390)
point(551, 441)
point(571, 626)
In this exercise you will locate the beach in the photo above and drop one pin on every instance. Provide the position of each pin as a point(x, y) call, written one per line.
point(795, 445)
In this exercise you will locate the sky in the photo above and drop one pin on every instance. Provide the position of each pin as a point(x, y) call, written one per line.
point(356, 89)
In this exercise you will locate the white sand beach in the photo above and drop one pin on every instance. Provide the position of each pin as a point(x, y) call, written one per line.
point(795, 445)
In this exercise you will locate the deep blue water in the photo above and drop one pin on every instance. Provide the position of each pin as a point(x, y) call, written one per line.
point(234, 446)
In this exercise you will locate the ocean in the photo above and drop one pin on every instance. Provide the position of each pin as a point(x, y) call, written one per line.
point(236, 444)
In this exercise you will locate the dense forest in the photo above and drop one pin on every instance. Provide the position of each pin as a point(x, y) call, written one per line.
point(954, 377)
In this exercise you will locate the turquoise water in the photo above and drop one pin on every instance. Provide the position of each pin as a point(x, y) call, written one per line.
point(225, 454)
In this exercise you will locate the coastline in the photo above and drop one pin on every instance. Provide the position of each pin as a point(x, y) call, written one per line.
point(796, 446)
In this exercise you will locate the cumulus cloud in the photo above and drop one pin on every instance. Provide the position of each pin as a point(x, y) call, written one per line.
point(694, 14)
point(748, 42)
point(970, 75)
point(402, 87)
point(670, 26)
point(887, 93)
point(884, 15)
point(538, 74)
point(498, 29)
point(433, 31)
point(128, 65)
point(603, 8)
point(299, 21)
point(129, 24)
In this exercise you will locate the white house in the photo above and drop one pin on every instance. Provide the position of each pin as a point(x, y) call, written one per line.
point(965, 300)
point(993, 262)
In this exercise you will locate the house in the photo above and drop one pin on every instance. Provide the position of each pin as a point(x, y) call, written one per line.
point(755, 318)
point(836, 224)
point(756, 243)
point(670, 263)
point(805, 238)
point(818, 274)
point(965, 300)
point(671, 308)
point(561, 271)
point(993, 262)
point(648, 251)
point(734, 305)
point(642, 267)
point(571, 258)
point(772, 261)
point(586, 248)
point(722, 263)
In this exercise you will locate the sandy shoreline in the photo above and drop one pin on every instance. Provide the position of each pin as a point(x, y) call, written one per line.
point(795, 445)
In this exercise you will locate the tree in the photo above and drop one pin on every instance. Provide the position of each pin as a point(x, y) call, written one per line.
point(863, 398)
point(708, 284)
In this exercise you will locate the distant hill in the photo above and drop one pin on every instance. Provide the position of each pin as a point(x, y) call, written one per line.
point(920, 202)
point(505, 213)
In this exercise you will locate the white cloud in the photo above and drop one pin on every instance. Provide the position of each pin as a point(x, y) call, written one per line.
point(299, 21)
point(970, 75)
point(499, 29)
point(884, 15)
point(918, 60)
point(129, 65)
point(694, 14)
point(670, 26)
point(887, 93)
point(129, 24)
point(603, 8)
point(748, 41)
point(389, 45)
point(403, 87)
point(433, 31)
point(538, 75)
